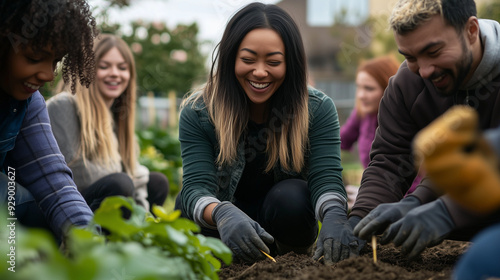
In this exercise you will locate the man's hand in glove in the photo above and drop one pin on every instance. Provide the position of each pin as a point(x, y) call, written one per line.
point(424, 226)
point(244, 236)
point(335, 241)
point(383, 215)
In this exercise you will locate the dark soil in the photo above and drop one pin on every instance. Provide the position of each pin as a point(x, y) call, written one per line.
point(434, 263)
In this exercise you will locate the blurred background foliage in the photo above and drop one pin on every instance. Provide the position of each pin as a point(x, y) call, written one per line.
point(160, 151)
point(166, 59)
point(490, 11)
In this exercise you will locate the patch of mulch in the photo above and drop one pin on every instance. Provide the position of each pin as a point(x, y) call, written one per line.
point(434, 263)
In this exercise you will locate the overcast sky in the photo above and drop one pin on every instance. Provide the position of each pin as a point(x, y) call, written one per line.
point(211, 15)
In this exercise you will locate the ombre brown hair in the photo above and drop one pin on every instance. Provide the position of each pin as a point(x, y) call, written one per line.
point(228, 105)
point(381, 69)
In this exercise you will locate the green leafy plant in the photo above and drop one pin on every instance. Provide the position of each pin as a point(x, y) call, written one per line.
point(161, 152)
point(143, 246)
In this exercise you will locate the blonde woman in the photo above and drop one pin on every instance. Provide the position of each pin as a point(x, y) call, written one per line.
point(261, 149)
point(95, 130)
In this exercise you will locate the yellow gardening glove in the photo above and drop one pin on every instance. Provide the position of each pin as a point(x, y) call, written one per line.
point(459, 160)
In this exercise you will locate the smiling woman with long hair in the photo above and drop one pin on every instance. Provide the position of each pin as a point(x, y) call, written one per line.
point(96, 131)
point(261, 149)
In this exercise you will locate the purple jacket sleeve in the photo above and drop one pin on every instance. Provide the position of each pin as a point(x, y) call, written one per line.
point(349, 132)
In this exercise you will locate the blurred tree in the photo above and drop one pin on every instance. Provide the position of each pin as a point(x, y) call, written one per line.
point(119, 3)
point(367, 40)
point(490, 10)
point(166, 59)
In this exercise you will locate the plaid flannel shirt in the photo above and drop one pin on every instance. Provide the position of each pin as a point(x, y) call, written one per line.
point(40, 167)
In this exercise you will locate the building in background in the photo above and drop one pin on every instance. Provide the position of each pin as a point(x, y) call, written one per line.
point(333, 53)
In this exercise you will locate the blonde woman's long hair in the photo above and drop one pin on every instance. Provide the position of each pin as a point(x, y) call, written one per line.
point(98, 122)
point(227, 104)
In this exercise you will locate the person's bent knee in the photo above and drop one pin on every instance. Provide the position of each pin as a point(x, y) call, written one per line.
point(119, 184)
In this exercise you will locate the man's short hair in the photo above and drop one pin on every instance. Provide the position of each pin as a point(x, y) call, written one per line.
point(407, 15)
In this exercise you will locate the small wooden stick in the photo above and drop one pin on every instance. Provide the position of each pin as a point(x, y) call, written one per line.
point(374, 248)
point(268, 256)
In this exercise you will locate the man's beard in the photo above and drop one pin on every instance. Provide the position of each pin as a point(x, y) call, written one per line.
point(463, 67)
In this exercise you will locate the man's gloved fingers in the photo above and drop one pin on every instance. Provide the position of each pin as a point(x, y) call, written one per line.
point(408, 243)
point(418, 248)
point(362, 223)
point(328, 251)
point(390, 233)
point(406, 233)
point(376, 226)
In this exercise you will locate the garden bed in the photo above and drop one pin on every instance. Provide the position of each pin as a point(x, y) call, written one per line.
point(434, 263)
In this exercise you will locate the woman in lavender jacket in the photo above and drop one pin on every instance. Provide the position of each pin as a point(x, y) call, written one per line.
point(371, 80)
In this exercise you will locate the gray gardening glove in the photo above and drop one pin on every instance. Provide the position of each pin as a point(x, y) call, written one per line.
point(353, 221)
point(335, 241)
point(383, 215)
point(244, 236)
point(424, 226)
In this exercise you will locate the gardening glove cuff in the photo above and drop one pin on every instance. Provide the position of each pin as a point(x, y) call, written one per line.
point(383, 215)
point(199, 209)
point(328, 200)
point(244, 236)
point(460, 216)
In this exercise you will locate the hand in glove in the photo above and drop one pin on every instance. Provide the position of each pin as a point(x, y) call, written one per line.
point(335, 241)
point(383, 215)
point(244, 236)
point(424, 226)
point(459, 160)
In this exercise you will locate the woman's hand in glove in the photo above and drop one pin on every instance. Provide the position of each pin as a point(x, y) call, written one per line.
point(244, 236)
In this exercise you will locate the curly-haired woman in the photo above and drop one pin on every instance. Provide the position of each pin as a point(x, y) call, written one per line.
point(36, 35)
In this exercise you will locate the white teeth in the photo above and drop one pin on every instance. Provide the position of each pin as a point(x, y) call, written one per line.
point(112, 83)
point(31, 86)
point(259, 86)
point(438, 79)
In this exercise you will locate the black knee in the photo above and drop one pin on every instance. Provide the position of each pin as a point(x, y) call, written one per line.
point(119, 184)
point(158, 188)
point(288, 213)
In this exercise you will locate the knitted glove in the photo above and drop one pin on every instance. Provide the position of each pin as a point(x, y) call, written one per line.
point(459, 160)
